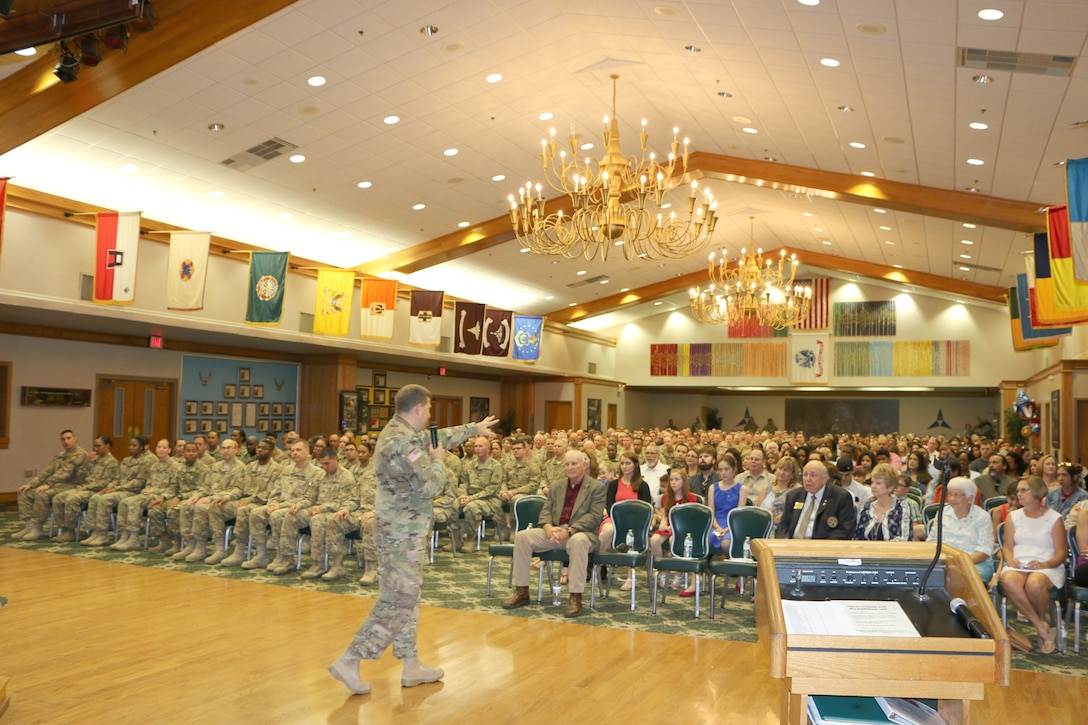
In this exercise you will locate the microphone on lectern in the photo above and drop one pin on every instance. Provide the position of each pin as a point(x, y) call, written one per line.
point(972, 625)
point(434, 434)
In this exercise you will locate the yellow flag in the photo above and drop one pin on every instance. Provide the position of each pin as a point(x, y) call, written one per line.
point(332, 309)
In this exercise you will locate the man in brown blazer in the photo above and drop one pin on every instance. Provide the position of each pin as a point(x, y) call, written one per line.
point(569, 520)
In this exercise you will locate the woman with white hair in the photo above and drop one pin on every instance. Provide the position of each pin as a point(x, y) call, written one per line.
point(967, 527)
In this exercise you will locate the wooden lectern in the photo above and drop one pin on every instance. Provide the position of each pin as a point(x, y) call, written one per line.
point(953, 667)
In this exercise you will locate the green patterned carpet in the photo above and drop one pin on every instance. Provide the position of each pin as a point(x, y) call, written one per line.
point(460, 583)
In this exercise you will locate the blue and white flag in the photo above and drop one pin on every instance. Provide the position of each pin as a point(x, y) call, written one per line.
point(527, 333)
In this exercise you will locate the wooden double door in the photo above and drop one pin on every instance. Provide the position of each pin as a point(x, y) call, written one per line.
point(125, 407)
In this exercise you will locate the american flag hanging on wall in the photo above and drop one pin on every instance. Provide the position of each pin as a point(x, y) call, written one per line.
point(818, 317)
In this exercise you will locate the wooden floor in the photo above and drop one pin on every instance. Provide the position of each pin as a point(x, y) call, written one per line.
point(86, 641)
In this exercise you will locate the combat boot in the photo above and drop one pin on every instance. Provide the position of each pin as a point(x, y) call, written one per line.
point(237, 557)
point(468, 546)
point(218, 555)
point(455, 540)
point(199, 552)
point(336, 569)
point(279, 565)
point(121, 541)
point(316, 569)
point(416, 673)
point(98, 538)
point(175, 546)
point(190, 545)
point(259, 560)
point(162, 547)
point(133, 543)
point(67, 536)
point(18, 535)
point(347, 671)
point(34, 532)
point(370, 572)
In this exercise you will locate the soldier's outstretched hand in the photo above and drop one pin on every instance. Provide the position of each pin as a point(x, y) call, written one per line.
point(484, 426)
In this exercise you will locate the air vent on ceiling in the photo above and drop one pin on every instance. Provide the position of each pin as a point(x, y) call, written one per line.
point(588, 280)
point(1037, 63)
point(259, 154)
point(978, 267)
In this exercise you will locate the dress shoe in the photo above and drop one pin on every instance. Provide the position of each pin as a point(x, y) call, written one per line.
point(519, 599)
point(687, 593)
point(574, 608)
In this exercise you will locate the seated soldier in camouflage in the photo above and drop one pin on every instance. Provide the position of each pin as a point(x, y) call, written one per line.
point(330, 518)
point(263, 472)
point(36, 496)
point(522, 479)
point(165, 518)
point(368, 488)
point(100, 470)
point(132, 479)
point(445, 504)
point(160, 486)
point(295, 484)
point(481, 484)
point(224, 482)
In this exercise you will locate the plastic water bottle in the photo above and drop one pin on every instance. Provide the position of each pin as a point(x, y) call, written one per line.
point(747, 547)
point(688, 544)
point(557, 590)
point(630, 539)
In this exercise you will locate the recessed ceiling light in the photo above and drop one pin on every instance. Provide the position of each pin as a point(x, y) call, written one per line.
point(693, 49)
point(868, 173)
point(978, 125)
point(429, 30)
point(586, 146)
point(618, 244)
point(316, 81)
point(817, 229)
point(365, 184)
point(666, 205)
point(857, 145)
point(524, 250)
point(725, 94)
point(871, 28)
point(889, 242)
point(419, 207)
point(965, 256)
point(976, 162)
point(26, 52)
point(571, 304)
point(550, 297)
point(462, 225)
point(449, 152)
point(968, 242)
point(846, 109)
point(285, 215)
point(215, 195)
point(604, 281)
point(965, 269)
point(217, 127)
point(826, 243)
point(972, 189)
point(807, 213)
point(809, 2)
point(296, 158)
point(898, 266)
point(493, 77)
point(580, 272)
point(885, 229)
point(130, 168)
point(968, 225)
point(990, 14)
point(657, 304)
point(546, 116)
point(499, 177)
point(749, 129)
point(829, 62)
point(880, 211)
point(390, 120)
point(982, 78)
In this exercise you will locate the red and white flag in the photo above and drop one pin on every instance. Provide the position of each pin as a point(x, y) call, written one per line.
point(118, 235)
point(818, 318)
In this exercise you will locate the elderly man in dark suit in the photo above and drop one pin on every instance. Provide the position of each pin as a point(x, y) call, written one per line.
point(817, 510)
point(569, 520)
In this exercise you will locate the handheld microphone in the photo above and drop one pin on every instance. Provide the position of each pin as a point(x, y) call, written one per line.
point(434, 434)
point(972, 625)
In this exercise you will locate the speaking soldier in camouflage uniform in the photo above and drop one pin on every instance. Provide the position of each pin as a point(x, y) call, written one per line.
point(410, 473)
point(330, 519)
point(263, 472)
point(36, 496)
point(481, 484)
point(522, 479)
point(132, 479)
point(98, 471)
point(160, 486)
point(296, 483)
point(166, 517)
point(223, 482)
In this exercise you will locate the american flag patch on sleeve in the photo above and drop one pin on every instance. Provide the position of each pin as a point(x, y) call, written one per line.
point(414, 455)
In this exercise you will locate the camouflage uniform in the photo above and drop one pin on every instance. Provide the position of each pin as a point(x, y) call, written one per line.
point(552, 472)
point(94, 474)
point(337, 492)
point(293, 486)
point(482, 483)
point(160, 478)
point(257, 491)
point(188, 482)
point(132, 479)
point(408, 481)
point(522, 479)
point(60, 474)
point(445, 503)
point(223, 480)
point(368, 490)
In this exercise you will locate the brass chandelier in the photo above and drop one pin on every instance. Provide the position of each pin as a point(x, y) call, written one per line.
point(608, 202)
point(752, 289)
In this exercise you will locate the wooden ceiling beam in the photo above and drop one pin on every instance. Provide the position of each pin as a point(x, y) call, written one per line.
point(33, 100)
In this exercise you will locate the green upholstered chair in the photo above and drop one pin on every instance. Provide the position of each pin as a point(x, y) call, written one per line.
point(526, 514)
point(684, 519)
point(746, 522)
point(631, 515)
point(929, 512)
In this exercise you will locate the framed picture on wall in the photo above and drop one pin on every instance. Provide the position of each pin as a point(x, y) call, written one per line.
point(222, 408)
point(349, 410)
point(251, 415)
point(277, 409)
point(288, 408)
point(289, 424)
point(220, 426)
point(1055, 420)
point(277, 425)
point(364, 395)
point(190, 425)
point(190, 408)
point(379, 379)
point(264, 409)
point(243, 391)
point(478, 408)
point(379, 397)
point(258, 391)
point(236, 413)
point(262, 426)
point(207, 407)
point(230, 390)
point(243, 375)
point(205, 426)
